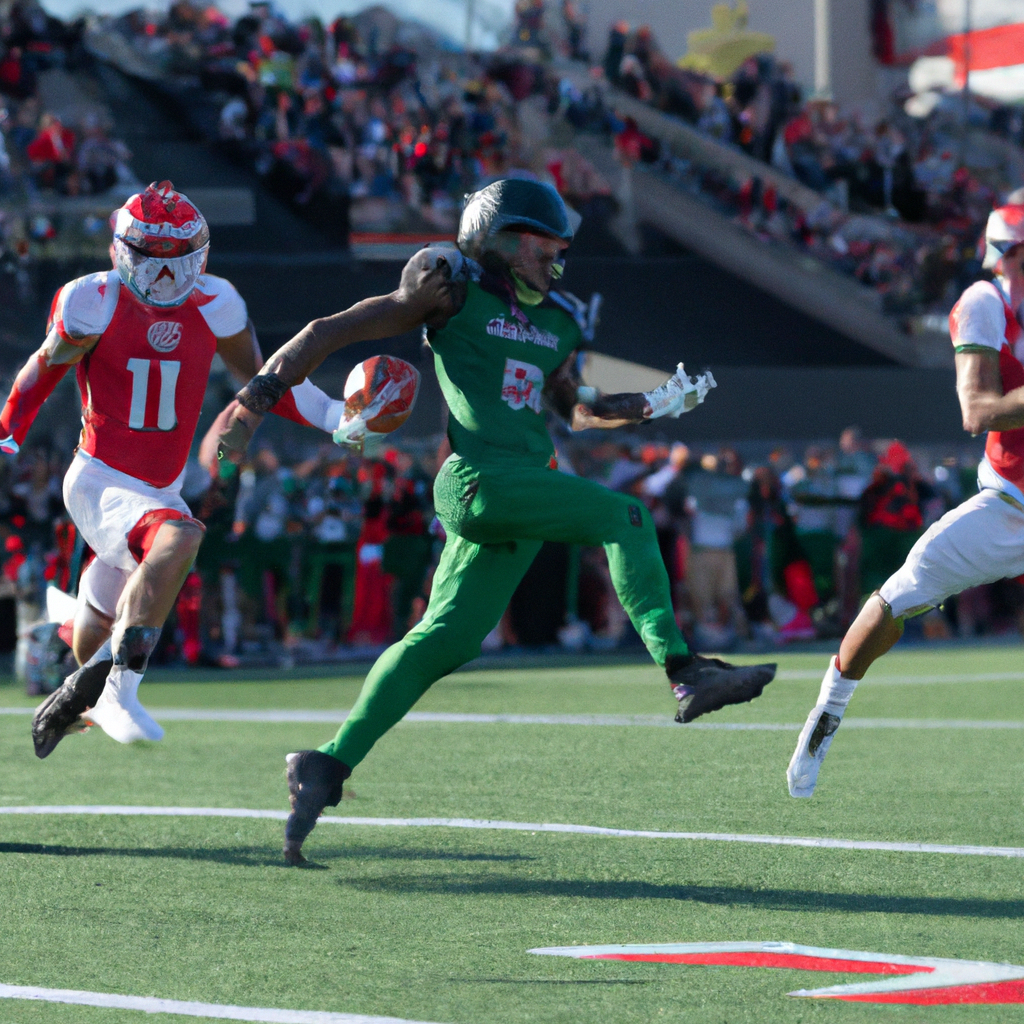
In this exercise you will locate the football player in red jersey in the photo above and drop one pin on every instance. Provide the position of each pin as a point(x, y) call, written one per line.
point(982, 539)
point(141, 338)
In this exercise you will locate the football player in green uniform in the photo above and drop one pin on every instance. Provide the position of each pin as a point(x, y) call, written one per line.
point(504, 346)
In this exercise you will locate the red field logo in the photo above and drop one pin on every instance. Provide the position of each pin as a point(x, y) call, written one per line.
point(923, 980)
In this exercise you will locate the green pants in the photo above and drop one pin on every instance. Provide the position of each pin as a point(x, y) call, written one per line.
point(497, 517)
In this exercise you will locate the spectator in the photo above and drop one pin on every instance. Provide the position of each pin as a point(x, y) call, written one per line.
point(892, 516)
point(102, 161)
point(52, 156)
point(717, 505)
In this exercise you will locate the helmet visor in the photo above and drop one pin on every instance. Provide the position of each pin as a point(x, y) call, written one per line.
point(159, 281)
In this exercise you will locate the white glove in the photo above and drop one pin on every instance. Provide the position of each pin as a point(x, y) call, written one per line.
point(9, 446)
point(678, 394)
point(351, 431)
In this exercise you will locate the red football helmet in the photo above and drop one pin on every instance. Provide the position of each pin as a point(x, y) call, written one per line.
point(160, 245)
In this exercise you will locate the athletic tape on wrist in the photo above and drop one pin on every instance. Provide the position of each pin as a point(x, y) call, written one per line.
point(262, 393)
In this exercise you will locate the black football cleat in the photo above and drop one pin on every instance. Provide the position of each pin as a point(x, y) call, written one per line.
point(59, 714)
point(314, 782)
point(701, 684)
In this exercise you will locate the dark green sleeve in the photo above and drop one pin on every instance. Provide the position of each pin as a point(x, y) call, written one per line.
point(976, 348)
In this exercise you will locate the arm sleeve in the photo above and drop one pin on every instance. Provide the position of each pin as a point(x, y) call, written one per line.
point(81, 308)
point(978, 320)
point(31, 388)
point(307, 404)
point(222, 307)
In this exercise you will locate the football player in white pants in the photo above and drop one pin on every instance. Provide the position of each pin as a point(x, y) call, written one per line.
point(978, 542)
point(142, 338)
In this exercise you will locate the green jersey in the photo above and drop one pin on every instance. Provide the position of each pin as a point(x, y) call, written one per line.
point(492, 362)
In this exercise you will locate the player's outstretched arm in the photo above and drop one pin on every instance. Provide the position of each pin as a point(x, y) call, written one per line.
point(427, 294)
point(305, 403)
point(979, 386)
point(585, 407)
point(36, 381)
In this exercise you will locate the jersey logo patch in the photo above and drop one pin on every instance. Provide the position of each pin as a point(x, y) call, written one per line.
point(512, 329)
point(164, 335)
point(522, 385)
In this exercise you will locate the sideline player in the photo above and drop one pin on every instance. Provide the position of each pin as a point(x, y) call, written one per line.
point(981, 540)
point(503, 345)
point(142, 337)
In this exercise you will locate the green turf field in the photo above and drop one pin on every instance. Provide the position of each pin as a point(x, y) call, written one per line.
point(435, 923)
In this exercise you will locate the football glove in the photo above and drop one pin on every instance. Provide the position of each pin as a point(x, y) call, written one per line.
point(9, 446)
point(679, 394)
point(351, 430)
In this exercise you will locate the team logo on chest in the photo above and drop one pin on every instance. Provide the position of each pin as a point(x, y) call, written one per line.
point(502, 328)
point(522, 386)
point(164, 335)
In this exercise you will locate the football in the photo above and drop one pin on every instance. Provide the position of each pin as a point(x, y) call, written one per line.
point(381, 391)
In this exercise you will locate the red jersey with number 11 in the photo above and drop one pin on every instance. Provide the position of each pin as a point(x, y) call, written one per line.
point(983, 319)
point(143, 383)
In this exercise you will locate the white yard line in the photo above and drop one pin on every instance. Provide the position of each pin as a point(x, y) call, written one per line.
point(472, 718)
point(532, 827)
point(963, 677)
point(218, 1011)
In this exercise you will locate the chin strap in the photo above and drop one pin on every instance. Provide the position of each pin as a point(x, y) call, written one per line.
point(526, 295)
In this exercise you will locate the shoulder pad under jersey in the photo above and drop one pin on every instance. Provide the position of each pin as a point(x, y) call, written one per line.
point(979, 319)
point(86, 305)
point(584, 313)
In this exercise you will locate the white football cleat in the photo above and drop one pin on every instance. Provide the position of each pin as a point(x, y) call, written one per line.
point(816, 735)
point(811, 748)
point(118, 711)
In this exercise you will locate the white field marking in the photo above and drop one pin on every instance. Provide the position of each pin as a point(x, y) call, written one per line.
point(963, 677)
point(219, 1011)
point(472, 718)
point(813, 842)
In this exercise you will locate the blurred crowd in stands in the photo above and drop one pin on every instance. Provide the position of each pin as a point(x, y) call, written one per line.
point(904, 189)
point(332, 556)
point(378, 125)
point(47, 156)
point(368, 122)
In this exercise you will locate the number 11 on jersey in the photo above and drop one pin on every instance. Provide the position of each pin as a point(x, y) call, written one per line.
point(166, 417)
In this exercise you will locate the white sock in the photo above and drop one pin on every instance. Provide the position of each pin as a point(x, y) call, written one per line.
point(122, 686)
point(836, 690)
point(118, 711)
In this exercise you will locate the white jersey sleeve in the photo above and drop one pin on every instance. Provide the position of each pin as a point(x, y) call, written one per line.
point(222, 307)
point(979, 318)
point(86, 305)
point(316, 407)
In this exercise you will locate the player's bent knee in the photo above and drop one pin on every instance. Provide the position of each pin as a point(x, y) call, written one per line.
point(888, 616)
point(629, 520)
point(180, 538)
point(165, 532)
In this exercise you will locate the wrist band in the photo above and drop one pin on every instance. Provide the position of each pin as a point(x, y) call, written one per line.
point(262, 393)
